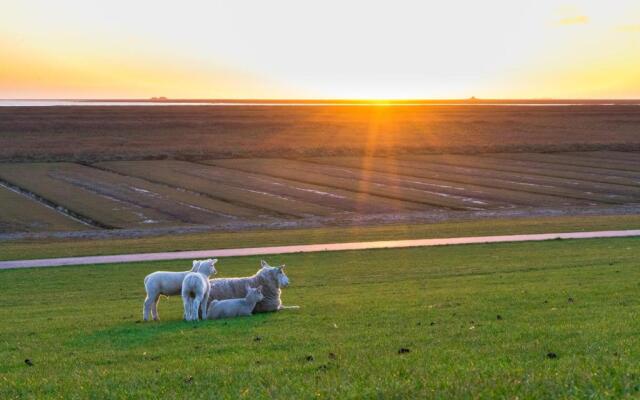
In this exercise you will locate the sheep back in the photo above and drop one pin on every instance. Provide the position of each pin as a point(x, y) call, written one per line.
point(233, 288)
point(165, 282)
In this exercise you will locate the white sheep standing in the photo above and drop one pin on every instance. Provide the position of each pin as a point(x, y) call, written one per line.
point(167, 283)
point(195, 292)
point(270, 278)
point(230, 308)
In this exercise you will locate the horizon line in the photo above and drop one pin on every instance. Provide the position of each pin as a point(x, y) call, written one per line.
point(161, 99)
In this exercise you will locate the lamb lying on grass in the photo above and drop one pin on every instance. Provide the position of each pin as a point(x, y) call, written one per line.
point(235, 307)
point(270, 278)
point(168, 284)
point(195, 292)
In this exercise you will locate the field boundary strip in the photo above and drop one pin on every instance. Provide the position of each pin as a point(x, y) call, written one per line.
point(310, 248)
point(83, 219)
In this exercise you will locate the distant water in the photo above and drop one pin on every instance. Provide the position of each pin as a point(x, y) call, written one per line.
point(54, 103)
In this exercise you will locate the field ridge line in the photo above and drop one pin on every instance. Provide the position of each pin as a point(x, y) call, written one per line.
point(309, 248)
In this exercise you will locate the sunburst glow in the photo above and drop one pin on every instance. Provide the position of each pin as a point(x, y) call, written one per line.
point(329, 49)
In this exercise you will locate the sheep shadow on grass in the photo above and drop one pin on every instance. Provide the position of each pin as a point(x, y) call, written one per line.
point(130, 335)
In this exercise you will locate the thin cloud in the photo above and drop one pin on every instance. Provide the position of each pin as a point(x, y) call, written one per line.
point(574, 20)
point(630, 28)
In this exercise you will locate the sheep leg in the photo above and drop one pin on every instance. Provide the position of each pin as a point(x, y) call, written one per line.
point(148, 303)
point(154, 308)
point(187, 308)
point(203, 308)
point(195, 309)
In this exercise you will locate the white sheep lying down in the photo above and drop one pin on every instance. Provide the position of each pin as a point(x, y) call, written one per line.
point(270, 278)
point(169, 283)
point(235, 307)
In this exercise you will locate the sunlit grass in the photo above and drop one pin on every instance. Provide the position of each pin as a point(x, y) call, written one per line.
point(79, 328)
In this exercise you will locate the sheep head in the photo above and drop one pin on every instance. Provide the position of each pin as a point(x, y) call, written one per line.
point(254, 294)
point(206, 267)
point(273, 276)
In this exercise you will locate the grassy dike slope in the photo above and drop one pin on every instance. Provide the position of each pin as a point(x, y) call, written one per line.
point(48, 248)
point(576, 299)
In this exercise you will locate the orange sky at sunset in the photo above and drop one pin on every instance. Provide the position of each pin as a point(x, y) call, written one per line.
point(328, 49)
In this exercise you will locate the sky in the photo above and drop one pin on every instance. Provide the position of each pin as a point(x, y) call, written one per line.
point(329, 49)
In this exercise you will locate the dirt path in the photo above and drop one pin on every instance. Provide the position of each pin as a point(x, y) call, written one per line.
point(253, 251)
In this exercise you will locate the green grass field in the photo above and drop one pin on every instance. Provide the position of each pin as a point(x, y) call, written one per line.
point(79, 328)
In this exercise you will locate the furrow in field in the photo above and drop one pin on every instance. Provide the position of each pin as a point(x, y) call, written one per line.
point(326, 196)
point(118, 201)
point(611, 165)
point(35, 179)
point(530, 168)
point(195, 178)
point(21, 213)
point(517, 186)
point(348, 180)
point(391, 165)
point(630, 157)
point(487, 189)
point(185, 207)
